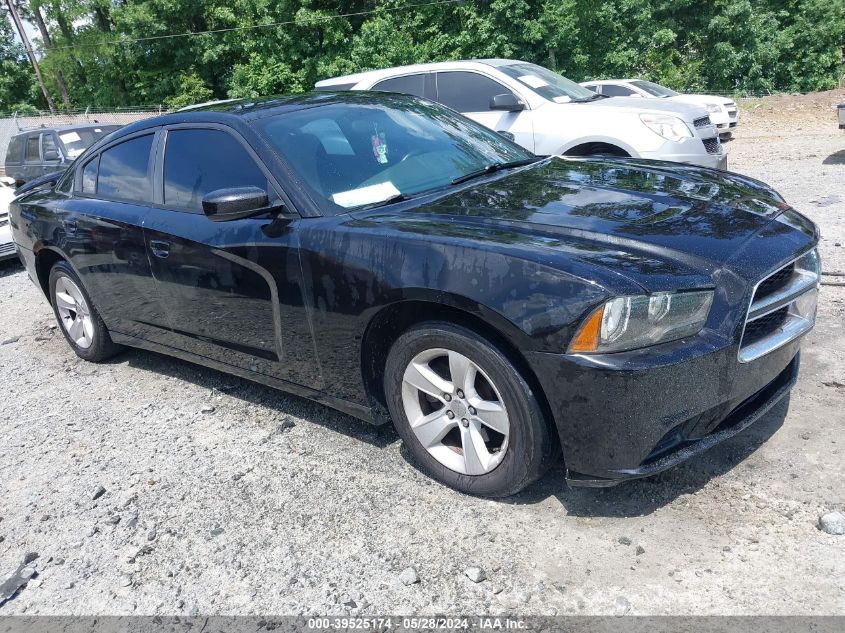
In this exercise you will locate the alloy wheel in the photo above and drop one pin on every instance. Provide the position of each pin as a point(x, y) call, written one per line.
point(74, 314)
point(455, 411)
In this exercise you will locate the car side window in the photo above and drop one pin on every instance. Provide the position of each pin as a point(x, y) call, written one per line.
point(48, 145)
point(592, 87)
point(124, 171)
point(15, 151)
point(32, 151)
point(467, 92)
point(616, 91)
point(89, 176)
point(197, 161)
point(408, 85)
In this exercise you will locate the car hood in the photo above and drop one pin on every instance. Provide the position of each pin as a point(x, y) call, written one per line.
point(700, 99)
point(699, 219)
point(688, 111)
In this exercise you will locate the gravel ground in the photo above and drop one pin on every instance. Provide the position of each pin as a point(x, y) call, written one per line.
point(151, 486)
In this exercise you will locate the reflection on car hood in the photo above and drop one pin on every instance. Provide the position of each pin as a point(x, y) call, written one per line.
point(687, 111)
point(682, 212)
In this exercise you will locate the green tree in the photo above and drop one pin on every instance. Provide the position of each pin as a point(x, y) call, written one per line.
point(18, 91)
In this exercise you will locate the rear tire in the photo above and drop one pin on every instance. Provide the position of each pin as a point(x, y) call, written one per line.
point(465, 413)
point(78, 319)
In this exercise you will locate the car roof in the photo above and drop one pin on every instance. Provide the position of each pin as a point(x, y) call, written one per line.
point(415, 68)
point(65, 128)
point(236, 111)
point(611, 81)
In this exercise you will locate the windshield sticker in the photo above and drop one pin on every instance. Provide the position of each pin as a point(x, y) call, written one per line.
point(562, 99)
point(379, 146)
point(365, 195)
point(69, 137)
point(533, 80)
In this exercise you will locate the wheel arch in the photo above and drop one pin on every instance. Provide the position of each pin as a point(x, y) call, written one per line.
point(45, 259)
point(391, 321)
point(591, 148)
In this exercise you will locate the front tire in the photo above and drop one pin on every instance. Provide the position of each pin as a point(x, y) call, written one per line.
point(78, 319)
point(465, 413)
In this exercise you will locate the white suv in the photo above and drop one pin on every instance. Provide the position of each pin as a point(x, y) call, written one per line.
point(549, 114)
point(723, 111)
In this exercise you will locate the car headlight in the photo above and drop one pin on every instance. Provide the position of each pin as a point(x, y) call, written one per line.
point(669, 127)
point(809, 263)
point(626, 323)
point(713, 107)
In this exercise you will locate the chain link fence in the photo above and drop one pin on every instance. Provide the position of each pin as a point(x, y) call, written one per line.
point(12, 124)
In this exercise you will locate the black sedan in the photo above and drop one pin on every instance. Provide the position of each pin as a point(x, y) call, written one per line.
point(392, 259)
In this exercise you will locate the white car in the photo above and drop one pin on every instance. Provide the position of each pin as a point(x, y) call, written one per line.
point(723, 111)
point(549, 114)
point(7, 194)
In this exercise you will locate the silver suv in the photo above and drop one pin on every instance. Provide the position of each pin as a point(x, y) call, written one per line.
point(549, 114)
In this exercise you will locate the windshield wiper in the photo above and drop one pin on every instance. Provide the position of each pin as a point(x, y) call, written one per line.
point(493, 167)
point(399, 197)
point(590, 98)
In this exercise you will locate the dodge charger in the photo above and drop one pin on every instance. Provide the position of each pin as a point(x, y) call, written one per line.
point(392, 259)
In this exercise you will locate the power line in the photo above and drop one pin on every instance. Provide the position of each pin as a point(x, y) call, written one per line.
point(322, 18)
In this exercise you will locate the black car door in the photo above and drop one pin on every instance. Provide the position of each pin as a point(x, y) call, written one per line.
point(232, 290)
point(99, 228)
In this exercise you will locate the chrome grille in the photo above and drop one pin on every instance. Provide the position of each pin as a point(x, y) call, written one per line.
point(7, 249)
point(4, 221)
point(782, 308)
point(712, 145)
point(702, 122)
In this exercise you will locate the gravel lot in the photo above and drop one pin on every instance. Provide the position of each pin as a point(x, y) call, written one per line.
point(268, 503)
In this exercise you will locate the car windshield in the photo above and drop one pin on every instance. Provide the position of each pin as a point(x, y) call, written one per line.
point(360, 153)
point(548, 84)
point(77, 141)
point(654, 89)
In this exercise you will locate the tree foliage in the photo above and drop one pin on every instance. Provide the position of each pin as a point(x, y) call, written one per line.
point(17, 81)
point(114, 53)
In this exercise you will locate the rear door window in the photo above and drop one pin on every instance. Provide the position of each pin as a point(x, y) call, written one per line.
point(124, 171)
point(408, 85)
point(467, 92)
point(32, 151)
point(197, 161)
point(612, 90)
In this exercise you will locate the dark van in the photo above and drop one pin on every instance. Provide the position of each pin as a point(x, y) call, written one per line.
point(34, 153)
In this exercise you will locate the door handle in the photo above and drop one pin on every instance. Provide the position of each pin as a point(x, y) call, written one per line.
point(160, 248)
point(70, 225)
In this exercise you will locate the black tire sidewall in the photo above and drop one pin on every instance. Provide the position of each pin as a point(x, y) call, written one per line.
point(529, 441)
point(102, 346)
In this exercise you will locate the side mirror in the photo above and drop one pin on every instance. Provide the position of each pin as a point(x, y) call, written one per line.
point(507, 102)
point(51, 155)
point(234, 203)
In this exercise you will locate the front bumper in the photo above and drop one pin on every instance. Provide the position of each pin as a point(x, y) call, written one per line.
point(702, 159)
point(631, 415)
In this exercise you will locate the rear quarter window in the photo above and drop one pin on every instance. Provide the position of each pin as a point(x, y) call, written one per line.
point(14, 153)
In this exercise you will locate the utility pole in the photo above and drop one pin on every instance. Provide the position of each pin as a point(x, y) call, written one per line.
point(48, 44)
point(31, 54)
